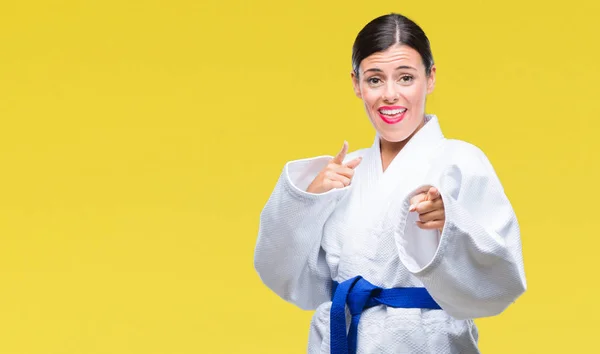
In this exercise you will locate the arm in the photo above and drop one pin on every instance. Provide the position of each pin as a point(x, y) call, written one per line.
point(475, 268)
point(288, 255)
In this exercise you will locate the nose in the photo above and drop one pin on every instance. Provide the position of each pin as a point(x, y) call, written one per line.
point(390, 94)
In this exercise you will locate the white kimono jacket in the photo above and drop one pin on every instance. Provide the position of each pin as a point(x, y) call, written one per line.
point(473, 268)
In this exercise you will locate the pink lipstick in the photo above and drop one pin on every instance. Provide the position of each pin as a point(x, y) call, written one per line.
point(392, 114)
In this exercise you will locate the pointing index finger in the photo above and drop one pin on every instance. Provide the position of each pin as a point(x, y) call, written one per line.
point(339, 158)
point(433, 194)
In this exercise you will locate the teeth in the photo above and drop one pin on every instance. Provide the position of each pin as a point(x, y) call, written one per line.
point(391, 112)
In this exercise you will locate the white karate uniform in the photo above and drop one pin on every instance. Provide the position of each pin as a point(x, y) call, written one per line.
point(473, 268)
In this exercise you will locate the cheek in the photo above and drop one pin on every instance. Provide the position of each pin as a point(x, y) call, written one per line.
point(415, 94)
point(370, 97)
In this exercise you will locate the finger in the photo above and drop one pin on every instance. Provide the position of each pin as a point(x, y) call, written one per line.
point(433, 194)
point(427, 206)
point(334, 184)
point(345, 180)
point(352, 164)
point(332, 176)
point(344, 171)
point(339, 158)
point(430, 225)
point(432, 216)
point(414, 201)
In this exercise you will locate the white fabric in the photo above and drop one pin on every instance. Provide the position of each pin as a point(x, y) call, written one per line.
point(473, 269)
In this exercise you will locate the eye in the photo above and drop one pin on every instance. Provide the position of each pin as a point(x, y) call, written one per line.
point(406, 79)
point(374, 80)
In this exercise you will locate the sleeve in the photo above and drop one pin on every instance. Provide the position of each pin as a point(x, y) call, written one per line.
point(475, 267)
point(288, 255)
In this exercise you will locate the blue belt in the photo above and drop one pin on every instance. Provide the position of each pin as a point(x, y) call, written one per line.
point(359, 295)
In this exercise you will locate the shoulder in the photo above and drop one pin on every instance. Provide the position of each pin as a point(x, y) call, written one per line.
point(465, 156)
point(462, 168)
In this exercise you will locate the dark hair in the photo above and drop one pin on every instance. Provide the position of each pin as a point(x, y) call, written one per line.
point(387, 30)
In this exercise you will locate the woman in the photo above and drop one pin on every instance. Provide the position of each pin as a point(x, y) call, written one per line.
point(415, 234)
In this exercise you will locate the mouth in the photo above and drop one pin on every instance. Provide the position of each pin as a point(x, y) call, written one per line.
point(392, 114)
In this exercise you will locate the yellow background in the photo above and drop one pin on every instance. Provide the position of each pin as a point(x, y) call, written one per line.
point(139, 141)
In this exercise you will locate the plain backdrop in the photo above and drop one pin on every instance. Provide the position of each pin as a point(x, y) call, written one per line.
point(139, 141)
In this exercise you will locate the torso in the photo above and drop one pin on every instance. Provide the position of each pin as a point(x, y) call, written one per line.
point(359, 240)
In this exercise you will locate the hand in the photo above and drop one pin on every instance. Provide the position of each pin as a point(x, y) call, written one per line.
point(430, 207)
point(335, 174)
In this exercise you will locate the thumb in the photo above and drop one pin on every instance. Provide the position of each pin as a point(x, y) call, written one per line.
point(416, 200)
point(339, 158)
point(354, 163)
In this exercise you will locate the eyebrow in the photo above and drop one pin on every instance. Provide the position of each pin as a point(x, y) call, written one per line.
point(398, 68)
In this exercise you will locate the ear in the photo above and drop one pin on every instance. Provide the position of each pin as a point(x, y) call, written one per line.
point(356, 85)
point(431, 80)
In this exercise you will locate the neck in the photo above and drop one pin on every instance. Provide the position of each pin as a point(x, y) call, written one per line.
point(389, 150)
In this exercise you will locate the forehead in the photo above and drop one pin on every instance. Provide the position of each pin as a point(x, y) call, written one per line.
point(393, 57)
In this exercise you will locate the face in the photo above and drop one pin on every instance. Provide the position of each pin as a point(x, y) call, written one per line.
point(393, 86)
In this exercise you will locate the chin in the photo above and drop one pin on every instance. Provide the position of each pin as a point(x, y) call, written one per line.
point(395, 133)
point(394, 137)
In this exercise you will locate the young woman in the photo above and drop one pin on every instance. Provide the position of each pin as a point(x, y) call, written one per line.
point(398, 247)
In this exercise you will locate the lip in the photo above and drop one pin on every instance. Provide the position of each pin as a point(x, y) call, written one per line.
point(392, 120)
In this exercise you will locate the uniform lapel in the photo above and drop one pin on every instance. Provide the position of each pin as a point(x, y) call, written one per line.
point(410, 166)
point(375, 191)
point(377, 195)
